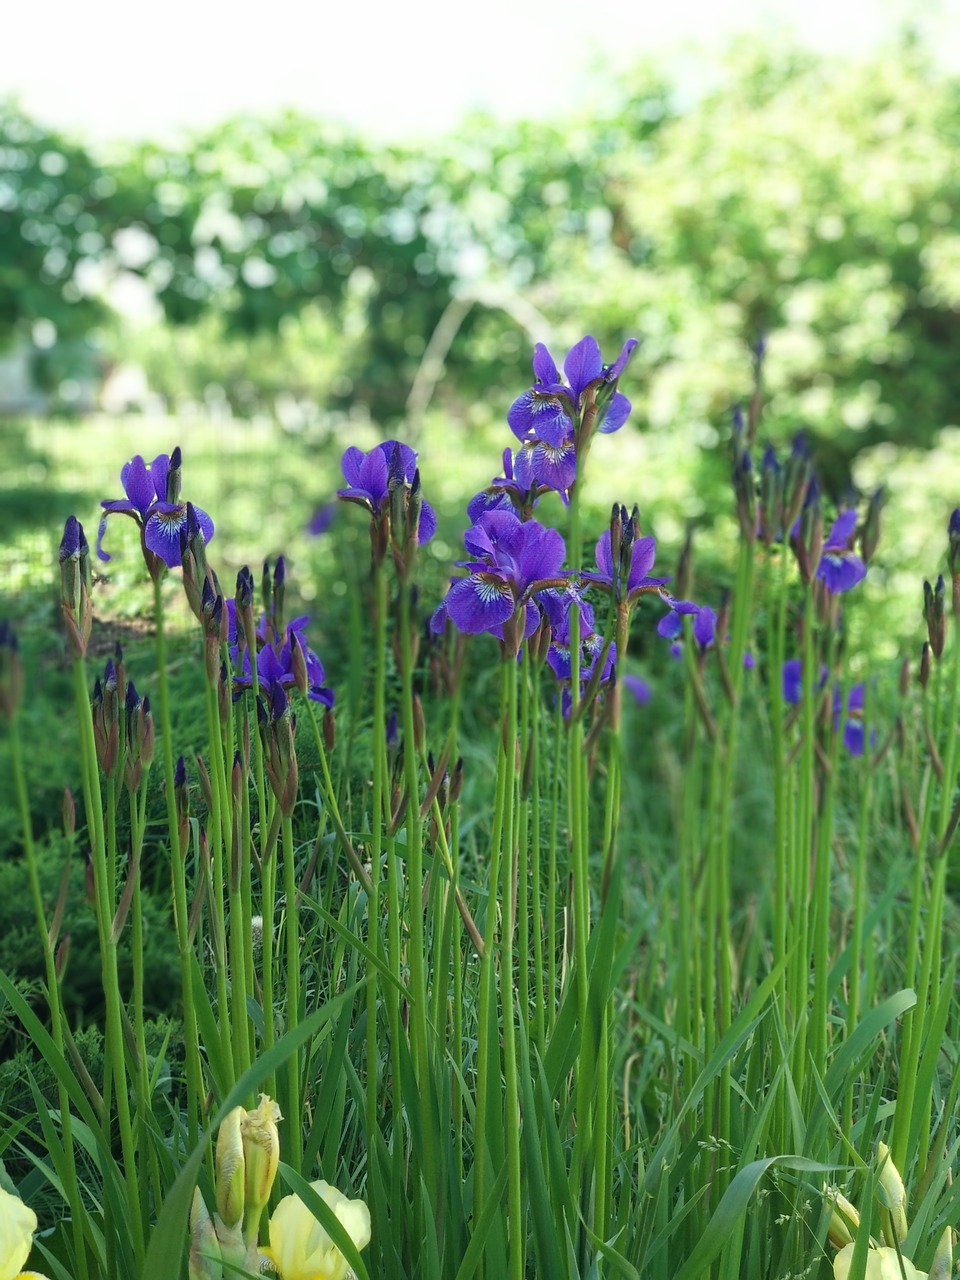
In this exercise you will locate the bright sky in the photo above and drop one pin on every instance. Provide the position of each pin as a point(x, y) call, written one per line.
point(394, 68)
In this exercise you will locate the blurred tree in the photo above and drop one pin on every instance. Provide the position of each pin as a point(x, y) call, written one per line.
point(53, 197)
point(814, 202)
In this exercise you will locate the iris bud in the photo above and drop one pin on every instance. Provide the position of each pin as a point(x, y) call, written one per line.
point(11, 671)
point(204, 1262)
point(261, 1150)
point(230, 1169)
point(933, 613)
point(797, 477)
point(870, 532)
point(69, 813)
point(844, 1220)
point(925, 664)
point(941, 1268)
point(329, 729)
point(953, 535)
point(771, 498)
point(279, 591)
point(174, 476)
point(893, 1196)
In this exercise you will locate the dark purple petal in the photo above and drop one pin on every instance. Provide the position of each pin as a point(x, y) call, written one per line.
point(498, 500)
point(205, 523)
point(616, 415)
point(604, 558)
point(101, 554)
point(428, 523)
point(583, 365)
point(670, 626)
point(544, 368)
point(705, 627)
point(357, 495)
point(844, 527)
point(792, 680)
point(438, 619)
point(644, 554)
point(316, 693)
point(841, 573)
point(555, 467)
point(138, 484)
point(321, 519)
point(162, 532)
point(543, 555)
point(620, 363)
point(119, 504)
point(407, 457)
point(853, 737)
point(638, 688)
point(159, 470)
point(375, 475)
point(350, 463)
point(536, 416)
point(480, 603)
point(523, 469)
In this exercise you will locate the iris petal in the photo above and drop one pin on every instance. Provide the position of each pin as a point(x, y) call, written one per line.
point(480, 603)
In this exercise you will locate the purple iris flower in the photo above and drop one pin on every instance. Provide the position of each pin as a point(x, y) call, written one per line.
point(853, 728)
point(704, 624)
point(793, 680)
point(518, 488)
point(548, 412)
point(153, 494)
point(641, 555)
point(840, 568)
point(638, 688)
point(369, 481)
point(560, 656)
point(322, 519)
point(291, 664)
point(512, 561)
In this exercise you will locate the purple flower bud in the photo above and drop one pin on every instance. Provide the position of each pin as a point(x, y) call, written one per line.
point(70, 542)
point(11, 671)
point(174, 477)
point(321, 519)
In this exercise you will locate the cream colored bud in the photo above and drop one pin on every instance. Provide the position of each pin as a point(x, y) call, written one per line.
point(844, 1220)
point(261, 1151)
point(230, 1169)
point(941, 1268)
point(204, 1262)
point(893, 1196)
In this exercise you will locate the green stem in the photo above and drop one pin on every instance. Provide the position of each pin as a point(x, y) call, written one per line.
point(191, 1043)
point(115, 1066)
point(295, 1102)
point(74, 1200)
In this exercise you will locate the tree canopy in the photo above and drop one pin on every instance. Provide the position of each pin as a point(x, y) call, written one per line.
point(813, 203)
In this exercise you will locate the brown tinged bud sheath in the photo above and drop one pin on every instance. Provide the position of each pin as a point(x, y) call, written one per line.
point(329, 729)
point(926, 662)
point(69, 814)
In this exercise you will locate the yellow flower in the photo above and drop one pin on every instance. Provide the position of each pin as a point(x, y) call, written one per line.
point(18, 1222)
point(17, 1225)
point(299, 1246)
point(882, 1264)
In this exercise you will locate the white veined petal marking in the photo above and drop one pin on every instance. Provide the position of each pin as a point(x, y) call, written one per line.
point(489, 588)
